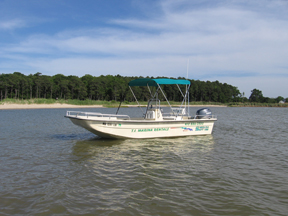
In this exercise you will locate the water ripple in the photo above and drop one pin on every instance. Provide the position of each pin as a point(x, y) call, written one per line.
point(57, 168)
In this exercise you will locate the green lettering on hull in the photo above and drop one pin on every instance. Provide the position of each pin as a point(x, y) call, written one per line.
point(149, 130)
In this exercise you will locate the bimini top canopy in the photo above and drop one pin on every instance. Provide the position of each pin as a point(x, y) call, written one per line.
point(154, 82)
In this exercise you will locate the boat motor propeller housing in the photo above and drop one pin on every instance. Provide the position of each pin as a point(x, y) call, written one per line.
point(204, 113)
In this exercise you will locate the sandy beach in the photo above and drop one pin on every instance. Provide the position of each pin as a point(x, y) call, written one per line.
point(6, 106)
point(45, 106)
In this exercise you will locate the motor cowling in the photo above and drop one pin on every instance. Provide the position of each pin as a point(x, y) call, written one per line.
point(204, 113)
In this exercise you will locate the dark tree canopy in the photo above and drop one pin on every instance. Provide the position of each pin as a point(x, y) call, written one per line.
point(256, 96)
point(280, 98)
point(20, 86)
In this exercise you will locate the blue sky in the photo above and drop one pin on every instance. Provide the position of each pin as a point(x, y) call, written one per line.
point(243, 43)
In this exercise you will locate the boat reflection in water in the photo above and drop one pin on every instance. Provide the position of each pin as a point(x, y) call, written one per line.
point(99, 150)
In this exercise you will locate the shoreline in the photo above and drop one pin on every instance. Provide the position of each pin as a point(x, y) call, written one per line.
point(44, 106)
point(8, 106)
point(15, 106)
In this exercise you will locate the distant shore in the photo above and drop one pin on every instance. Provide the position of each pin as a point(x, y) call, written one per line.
point(8, 106)
point(15, 106)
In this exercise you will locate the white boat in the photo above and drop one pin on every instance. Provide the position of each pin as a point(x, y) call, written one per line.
point(154, 123)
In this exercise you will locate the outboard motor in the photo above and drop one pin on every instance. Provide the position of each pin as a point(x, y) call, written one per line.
point(204, 113)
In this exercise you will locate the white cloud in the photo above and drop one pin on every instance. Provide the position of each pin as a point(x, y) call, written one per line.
point(125, 67)
point(226, 42)
point(270, 86)
point(12, 24)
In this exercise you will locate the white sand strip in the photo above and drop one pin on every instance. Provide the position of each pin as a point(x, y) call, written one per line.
point(6, 106)
point(45, 106)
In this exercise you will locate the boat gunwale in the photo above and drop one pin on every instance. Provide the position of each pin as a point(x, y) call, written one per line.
point(144, 120)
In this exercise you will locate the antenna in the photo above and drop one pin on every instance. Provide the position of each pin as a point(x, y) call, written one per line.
point(187, 68)
point(187, 89)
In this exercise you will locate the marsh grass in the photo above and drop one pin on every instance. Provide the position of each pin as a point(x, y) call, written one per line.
point(126, 103)
point(32, 101)
point(253, 104)
point(71, 102)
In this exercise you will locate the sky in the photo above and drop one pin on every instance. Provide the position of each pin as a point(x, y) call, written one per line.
point(241, 43)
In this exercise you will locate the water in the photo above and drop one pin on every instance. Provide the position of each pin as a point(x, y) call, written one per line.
point(51, 167)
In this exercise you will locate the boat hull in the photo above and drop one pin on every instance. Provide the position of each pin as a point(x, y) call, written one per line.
point(133, 129)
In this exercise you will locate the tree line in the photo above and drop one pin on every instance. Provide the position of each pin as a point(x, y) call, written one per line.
point(257, 96)
point(59, 86)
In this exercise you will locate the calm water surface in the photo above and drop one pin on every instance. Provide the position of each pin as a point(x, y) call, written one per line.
point(51, 167)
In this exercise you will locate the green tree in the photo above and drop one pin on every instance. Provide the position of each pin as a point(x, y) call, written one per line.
point(4, 78)
point(61, 85)
point(110, 87)
point(46, 82)
point(30, 83)
point(21, 84)
point(88, 82)
point(256, 96)
point(1, 86)
point(73, 82)
point(37, 80)
point(279, 98)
